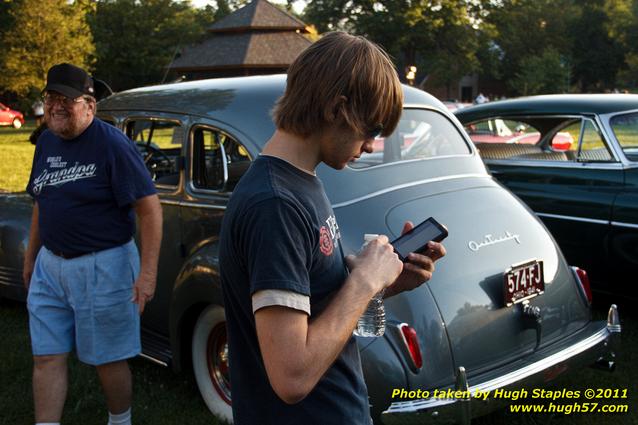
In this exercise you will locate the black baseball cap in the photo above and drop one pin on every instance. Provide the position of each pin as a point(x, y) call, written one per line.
point(69, 80)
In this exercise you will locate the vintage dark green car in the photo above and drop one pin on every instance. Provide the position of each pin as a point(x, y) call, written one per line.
point(574, 160)
point(504, 309)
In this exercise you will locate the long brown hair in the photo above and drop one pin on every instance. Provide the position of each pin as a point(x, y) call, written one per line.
point(340, 80)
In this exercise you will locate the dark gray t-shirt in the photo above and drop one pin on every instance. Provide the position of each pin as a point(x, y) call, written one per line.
point(280, 232)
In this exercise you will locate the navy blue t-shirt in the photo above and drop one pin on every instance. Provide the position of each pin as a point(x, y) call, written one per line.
point(85, 188)
point(280, 232)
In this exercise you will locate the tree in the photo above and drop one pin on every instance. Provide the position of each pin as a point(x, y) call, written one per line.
point(456, 45)
point(44, 32)
point(523, 29)
point(435, 36)
point(137, 39)
point(598, 57)
point(622, 27)
point(541, 74)
point(226, 7)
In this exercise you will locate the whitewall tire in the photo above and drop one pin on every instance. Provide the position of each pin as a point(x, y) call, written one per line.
point(210, 362)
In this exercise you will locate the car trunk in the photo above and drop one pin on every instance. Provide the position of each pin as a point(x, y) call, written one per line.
point(489, 231)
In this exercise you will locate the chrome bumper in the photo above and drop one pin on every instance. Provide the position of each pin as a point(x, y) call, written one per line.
point(589, 351)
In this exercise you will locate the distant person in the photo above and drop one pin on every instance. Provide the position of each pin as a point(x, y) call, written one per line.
point(81, 267)
point(480, 99)
point(38, 111)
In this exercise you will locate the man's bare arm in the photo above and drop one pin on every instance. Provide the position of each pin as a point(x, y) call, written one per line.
point(297, 350)
point(33, 247)
point(149, 211)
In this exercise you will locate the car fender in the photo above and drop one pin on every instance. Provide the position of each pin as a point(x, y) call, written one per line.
point(14, 238)
point(197, 286)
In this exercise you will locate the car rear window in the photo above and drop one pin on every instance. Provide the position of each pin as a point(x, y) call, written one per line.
point(498, 130)
point(420, 134)
point(626, 130)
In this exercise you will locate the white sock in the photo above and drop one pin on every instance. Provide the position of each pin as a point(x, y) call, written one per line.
point(121, 418)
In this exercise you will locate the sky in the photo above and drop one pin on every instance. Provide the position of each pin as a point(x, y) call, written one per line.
point(298, 5)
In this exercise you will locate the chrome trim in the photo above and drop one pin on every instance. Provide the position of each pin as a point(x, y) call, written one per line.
point(191, 166)
point(153, 359)
point(408, 161)
point(465, 416)
point(461, 381)
point(512, 377)
point(558, 164)
point(569, 217)
point(613, 319)
point(406, 185)
point(191, 142)
point(202, 205)
point(621, 224)
point(169, 202)
point(167, 187)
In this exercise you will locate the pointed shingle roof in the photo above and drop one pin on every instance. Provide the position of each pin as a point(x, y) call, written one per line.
point(238, 50)
point(258, 15)
point(259, 36)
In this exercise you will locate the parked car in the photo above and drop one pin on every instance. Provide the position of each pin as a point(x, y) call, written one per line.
point(587, 195)
point(497, 130)
point(10, 116)
point(452, 104)
point(503, 310)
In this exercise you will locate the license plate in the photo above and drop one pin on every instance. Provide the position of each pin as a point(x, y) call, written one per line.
point(523, 281)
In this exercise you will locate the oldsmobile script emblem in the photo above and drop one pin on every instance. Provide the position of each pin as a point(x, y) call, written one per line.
point(491, 240)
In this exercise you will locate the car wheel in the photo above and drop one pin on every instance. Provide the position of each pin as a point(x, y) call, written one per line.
point(17, 123)
point(210, 362)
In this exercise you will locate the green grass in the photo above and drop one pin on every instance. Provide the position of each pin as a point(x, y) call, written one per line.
point(161, 397)
point(16, 155)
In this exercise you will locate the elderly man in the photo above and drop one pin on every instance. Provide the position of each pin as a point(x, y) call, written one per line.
point(82, 268)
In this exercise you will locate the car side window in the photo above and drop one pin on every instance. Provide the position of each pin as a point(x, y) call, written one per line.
point(160, 143)
point(218, 160)
point(497, 130)
point(590, 147)
point(625, 128)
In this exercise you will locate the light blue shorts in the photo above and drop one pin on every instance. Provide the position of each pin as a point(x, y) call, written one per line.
point(85, 303)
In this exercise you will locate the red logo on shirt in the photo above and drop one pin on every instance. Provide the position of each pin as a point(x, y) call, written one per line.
point(325, 241)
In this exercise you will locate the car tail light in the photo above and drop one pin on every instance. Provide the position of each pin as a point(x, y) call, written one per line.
point(411, 342)
point(584, 282)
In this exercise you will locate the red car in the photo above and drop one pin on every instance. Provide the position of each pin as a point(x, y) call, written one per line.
point(10, 116)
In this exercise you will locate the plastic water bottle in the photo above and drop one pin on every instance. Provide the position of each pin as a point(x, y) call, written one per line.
point(372, 322)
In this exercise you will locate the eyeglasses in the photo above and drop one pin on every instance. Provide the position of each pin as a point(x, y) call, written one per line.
point(50, 99)
point(374, 132)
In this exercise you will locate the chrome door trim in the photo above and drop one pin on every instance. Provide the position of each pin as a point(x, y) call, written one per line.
point(621, 224)
point(573, 218)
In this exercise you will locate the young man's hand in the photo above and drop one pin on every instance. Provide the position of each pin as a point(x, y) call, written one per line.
point(419, 267)
point(377, 264)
